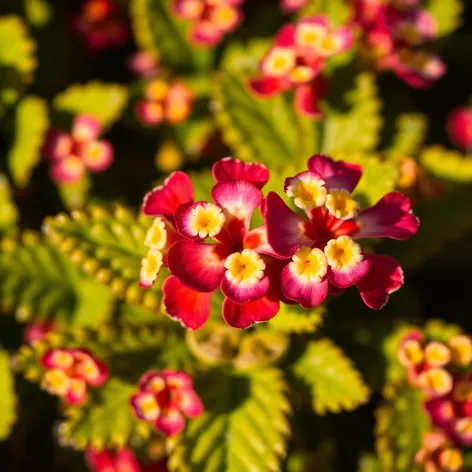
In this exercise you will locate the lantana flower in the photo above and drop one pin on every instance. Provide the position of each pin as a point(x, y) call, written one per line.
point(71, 155)
point(144, 64)
point(100, 24)
point(290, 6)
point(321, 250)
point(164, 399)
point(37, 331)
point(296, 61)
point(394, 38)
point(211, 19)
point(69, 373)
point(122, 460)
point(164, 102)
point(459, 128)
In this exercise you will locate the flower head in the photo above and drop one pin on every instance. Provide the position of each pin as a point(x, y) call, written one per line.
point(459, 127)
point(164, 398)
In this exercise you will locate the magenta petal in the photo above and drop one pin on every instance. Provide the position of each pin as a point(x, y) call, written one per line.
point(77, 392)
point(58, 145)
point(241, 293)
point(166, 199)
point(188, 306)
point(57, 359)
point(98, 461)
point(256, 239)
point(336, 174)
point(178, 379)
point(285, 229)
point(206, 33)
point(97, 155)
point(459, 127)
point(384, 277)
point(67, 170)
point(345, 35)
point(199, 266)
point(125, 462)
point(285, 37)
point(268, 86)
point(344, 278)
point(86, 128)
point(307, 100)
point(242, 316)
point(149, 378)
point(189, 403)
point(234, 169)
point(391, 217)
point(307, 294)
point(170, 422)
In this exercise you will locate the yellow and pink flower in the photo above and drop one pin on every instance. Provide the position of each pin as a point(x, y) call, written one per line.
point(122, 460)
point(459, 128)
point(165, 399)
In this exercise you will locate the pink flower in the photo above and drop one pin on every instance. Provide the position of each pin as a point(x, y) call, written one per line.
point(438, 454)
point(297, 59)
point(37, 331)
point(69, 372)
point(459, 127)
point(164, 398)
point(211, 19)
point(290, 6)
point(320, 251)
point(143, 64)
point(71, 155)
point(100, 24)
point(164, 102)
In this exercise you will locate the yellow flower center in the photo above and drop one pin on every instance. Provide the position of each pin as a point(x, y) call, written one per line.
point(157, 90)
point(279, 62)
point(178, 111)
point(340, 204)
point(464, 426)
point(94, 151)
point(309, 264)
point(329, 45)
point(437, 354)
point(343, 253)
point(461, 350)
point(150, 266)
point(309, 35)
point(63, 359)
point(148, 407)
point(78, 386)
point(308, 192)
point(437, 380)
point(206, 220)
point(73, 165)
point(89, 369)
point(156, 385)
point(411, 353)
point(56, 382)
point(301, 74)
point(155, 111)
point(245, 268)
point(451, 460)
point(156, 236)
point(192, 8)
point(225, 16)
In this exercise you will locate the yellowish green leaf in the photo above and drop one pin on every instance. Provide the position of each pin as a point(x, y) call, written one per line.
point(7, 398)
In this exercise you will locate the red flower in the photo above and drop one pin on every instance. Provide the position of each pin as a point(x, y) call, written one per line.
point(37, 331)
point(70, 371)
point(72, 154)
point(164, 398)
point(211, 19)
point(459, 127)
point(297, 59)
point(438, 454)
point(122, 460)
point(320, 250)
point(289, 6)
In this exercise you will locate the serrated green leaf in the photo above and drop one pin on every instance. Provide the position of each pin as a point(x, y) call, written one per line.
point(8, 211)
point(334, 382)
point(31, 125)
point(447, 164)
point(295, 319)
point(447, 15)
point(244, 426)
point(104, 101)
point(401, 423)
point(358, 129)
point(158, 29)
point(410, 135)
point(7, 398)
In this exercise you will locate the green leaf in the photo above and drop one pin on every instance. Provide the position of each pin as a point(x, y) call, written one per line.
point(107, 244)
point(447, 164)
point(401, 423)
point(244, 58)
point(31, 125)
point(8, 211)
point(8, 399)
point(335, 384)
point(297, 320)
point(156, 28)
point(410, 135)
point(447, 15)
point(338, 11)
point(38, 12)
point(244, 426)
point(74, 195)
point(357, 129)
point(105, 101)
point(369, 463)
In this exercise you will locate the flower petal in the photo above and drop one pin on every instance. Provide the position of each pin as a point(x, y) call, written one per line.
point(307, 293)
point(125, 461)
point(145, 406)
point(285, 229)
point(188, 306)
point(256, 239)
point(307, 100)
point(57, 358)
point(285, 37)
point(384, 277)
point(269, 86)
point(152, 382)
point(344, 278)
point(77, 392)
point(58, 145)
point(67, 170)
point(170, 422)
point(97, 155)
point(200, 220)
point(229, 168)
point(242, 316)
point(166, 199)
point(336, 174)
point(86, 128)
point(206, 33)
point(178, 379)
point(390, 217)
point(189, 403)
point(98, 461)
point(243, 293)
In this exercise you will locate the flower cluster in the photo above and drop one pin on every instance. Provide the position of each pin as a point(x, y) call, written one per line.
point(290, 258)
point(290, 6)
point(440, 370)
point(144, 64)
point(163, 400)
point(211, 19)
point(100, 24)
point(164, 102)
point(122, 460)
point(70, 371)
point(459, 128)
point(70, 155)
point(37, 331)
point(296, 61)
point(394, 33)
